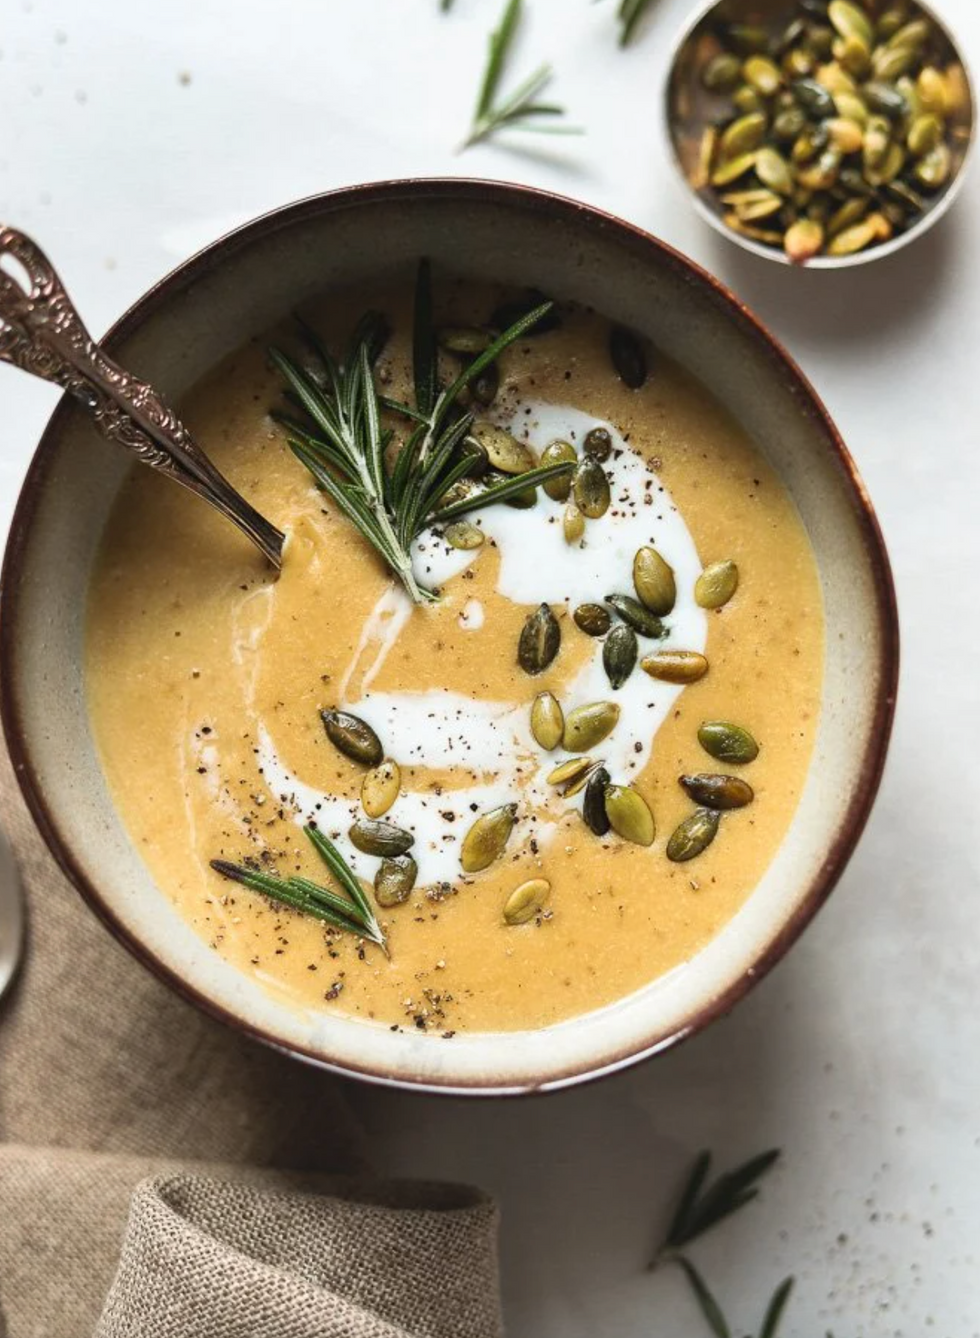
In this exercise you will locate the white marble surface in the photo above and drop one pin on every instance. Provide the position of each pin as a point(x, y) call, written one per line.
point(133, 132)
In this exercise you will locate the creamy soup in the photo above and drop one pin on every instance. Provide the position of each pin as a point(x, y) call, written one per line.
point(208, 680)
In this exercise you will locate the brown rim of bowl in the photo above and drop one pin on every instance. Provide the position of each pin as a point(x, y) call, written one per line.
point(642, 244)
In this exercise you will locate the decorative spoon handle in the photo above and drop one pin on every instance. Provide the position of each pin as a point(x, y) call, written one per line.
point(42, 333)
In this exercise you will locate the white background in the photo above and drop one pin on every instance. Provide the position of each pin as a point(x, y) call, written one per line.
point(134, 131)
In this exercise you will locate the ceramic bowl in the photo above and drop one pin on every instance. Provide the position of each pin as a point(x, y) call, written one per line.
point(239, 287)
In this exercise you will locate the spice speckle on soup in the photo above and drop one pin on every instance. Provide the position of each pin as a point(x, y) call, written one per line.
point(512, 783)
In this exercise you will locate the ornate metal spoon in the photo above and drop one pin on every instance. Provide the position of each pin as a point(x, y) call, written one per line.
point(41, 332)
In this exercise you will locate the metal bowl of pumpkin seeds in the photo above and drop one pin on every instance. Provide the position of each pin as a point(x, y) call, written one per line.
point(823, 133)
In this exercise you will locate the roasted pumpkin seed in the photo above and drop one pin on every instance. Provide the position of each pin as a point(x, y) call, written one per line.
point(628, 357)
point(846, 136)
point(716, 584)
point(814, 98)
point(572, 775)
point(932, 170)
point(572, 524)
point(925, 133)
point(884, 98)
point(675, 666)
point(464, 535)
point(594, 802)
point(692, 837)
point(653, 581)
point(853, 56)
point(932, 91)
point(747, 100)
point(483, 388)
point(593, 619)
point(591, 488)
point(851, 212)
point(353, 737)
point(504, 452)
point(803, 240)
point(722, 73)
point(788, 126)
point(711, 790)
point(914, 34)
point(851, 21)
point(598, 444)
point(380, 787)
point(547, 720)
point(465, 340)
point(540, 640)
point(747, 37)
point(394, 880)
point(890, 63)
point(728, 171)
point(619, 655)
point(727, 742)
point(635, 615)
point(629, 815)
point(487, 839)
point(850, 240)
point(374, 836)
point(822, 174)
point(559, 453)
point(588, 725)
point(772, 169)
point(763, 75)
point(743, 136)
point(526, 901)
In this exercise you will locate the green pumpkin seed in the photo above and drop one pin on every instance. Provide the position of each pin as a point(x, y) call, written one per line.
point(850, 21)
point(763, 75)
point(747, 37)
point(716, 791)
point(753, 204)
point(798, 63)
point(746, 100)
point(483, 388)
point(629, 815)
point(591, 488)
point(932, 91)
point(835, 79)
point(722, 73)
point(487, 839)
point(906, 196)
point(890, 167)
point(394, 880)
point(619, 655)
point(727, 172)
point(636, 616)
point(850, 213)
point(845, 136)
point(788, 126)
point(653, 581)
point(908, 88)
point(540, 640)
point(628, 357)
point(376, 837)
point(477, 457)
point(813, 141)
point(727, 742)
point(743, 136)
point(465, 340)
point(547, 720)
point(593, 619)
point(693, 836)
point(932, 170)
point(850, 240)
point(814, 98)
point(380, 787)
point(890, 63)
point(789, 36)
point(821, 174)
point(884, 98)
point(464, 535)
point(914, 35)
point(588, 725)
point(525, 902)
point(925, 133)
point(803, 241)
point(772, 169)
point(504, 452)
point(853, 56)
point(598, 444)
point(573, 774)
point(877, 141)
point(523, 500)
point(675, 666)
point(851, 108)
point(820, 40)
point(890, 22)
point(594, 802)
point(572, 524)
point(854, 183)
point(353, 737)
point(716, 584)
point(701, 174)
point(559, 453)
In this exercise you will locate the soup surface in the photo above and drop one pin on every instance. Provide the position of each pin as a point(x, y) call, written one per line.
point(206, 682)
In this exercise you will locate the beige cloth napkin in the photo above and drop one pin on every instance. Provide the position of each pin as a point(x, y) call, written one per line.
point(151, 1156)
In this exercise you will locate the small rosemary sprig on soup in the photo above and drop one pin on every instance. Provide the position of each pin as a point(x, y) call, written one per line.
point(392, 491)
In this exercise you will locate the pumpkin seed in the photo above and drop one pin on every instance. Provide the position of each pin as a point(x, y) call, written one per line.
point(572, 524)
point(835, 79)
point(798, 63)
point(572, 774)
point(380, 787)
point(925, 133)
point(523, 500)
point(594, 803)
point(821, 174)
point(763, 75)
point(743, 136)
point(846, 136)
point(746, 99)
point(374, 836)
point(540, 640)
point(487, 839)
point(747, 37)
point(559, 453)
point(547, 720)
point(716, 584)
point(933, 169)
point(914, 35)
point(851, 21)
point(593, 619)
point(789, 36)
point(906, 85)
point(890, 63)
point(787, 127)
point(772, 169)
point(526, 901)
point(820, 40)
point(588, 725)
point(877, 140)
point(890, 22)
point(851, 108)
point(598, 444)
point(853, 56)
point(464, 535)
point(884, 98)
point(716, 791)
point(629, 815)
point(653, 581)
point(591, 488)
point(722, 72)
point(754, 204)
point(353, 737)
point(628, 357)
point(905, 195)
point(727, 742)
point(727, 172)
point(814, 98)
point(483, 388)
point(479, 463)
point(394, 880)
point(850, 212)
point(619, 655)
point(675, 666)
point(693, 836)
point(504, 452)
point(854, 183)
point(706, 157)
point(635, 615)
point(803, 240)
point(932, 91)
point(850, 240)
point(890, 167)
point(464, 340)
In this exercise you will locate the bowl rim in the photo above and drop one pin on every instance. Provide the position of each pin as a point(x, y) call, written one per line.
point(644, 245)
point(928, 220)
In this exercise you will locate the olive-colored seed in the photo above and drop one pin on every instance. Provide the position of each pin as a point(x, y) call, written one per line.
point(773, 171)
point(799, 63)
point(914, 34)
point(814, 98)
point(523, 500)
point(374, 836)
point(835, 79)
point(925, 133)
point(851, 212)
point(890, 63)
point(540, 640)
point(591, 488)
point(803, 241)
point(547, 720)
point(653, 581)
point(931, 88)
point(908, 88)
point(932, 170)
point(747, 37)
point(380, 787)
point(464, 535)
point(754, 204)
point(820, 40)
point(884, 98)
point(891, 20)
point(585, 726)
point(906, 196)
point(484, 387)
point(877, 139)
point(851, 21)
point(763, 75)
point(745, 99)
point(854, 183)
point(711, 790)
point(722, 73)
point(675, 666)
point(629, 815)
point(353, 737)
point(598, 444)
point(853, 56)
point(572, 524)
point(394, 880)
point(593, 619)
point(727, 172)
point(693, 836)
point(851, 108)
point(706, 157)
point(846, 136)
point(619, 655)
point(477, 457)
point(789, 37)
point(504, 452)
point(727, 742)
point(487, 839)
point(716, 584)
point(594, 802)
point(526, 901)
point(559, 453)
point(850, 240)
point(814, 140)
point(890, 167)
point(744, 135)
point(570, 771)
point(465, 340)
point(788, 126)
point(822, 174)
point(768, 236)
point(635, 615)
point(628, 356)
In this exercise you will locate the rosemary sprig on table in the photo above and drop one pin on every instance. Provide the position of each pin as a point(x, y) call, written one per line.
point(352, 914)
point(519, 111)
point(630, 13)
point(392, 496)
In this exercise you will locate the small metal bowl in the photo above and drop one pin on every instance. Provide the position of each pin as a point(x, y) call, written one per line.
point(690, 109)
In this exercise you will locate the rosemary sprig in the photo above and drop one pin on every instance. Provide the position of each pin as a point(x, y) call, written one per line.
point(519, 111)
point(352, 914)
point(629, 15)
point(713, 1314)
point(391, 497)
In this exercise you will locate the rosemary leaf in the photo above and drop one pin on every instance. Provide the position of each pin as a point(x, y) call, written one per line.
point(709, 1306)
point(770, 1325)
point(337, 865)
point(699, 1172)
point(281, 890)
point(630, 14)
point(499, 492)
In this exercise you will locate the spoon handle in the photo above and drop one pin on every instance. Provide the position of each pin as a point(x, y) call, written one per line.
point(42, 333)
